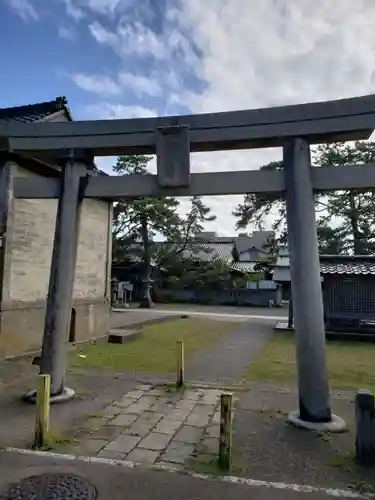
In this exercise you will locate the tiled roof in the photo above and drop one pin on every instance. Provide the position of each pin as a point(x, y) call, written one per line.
point(34, 112)
point(340, 264)
point(334, 264)
point(258, 240)
point(244, 267)
point(207, 251)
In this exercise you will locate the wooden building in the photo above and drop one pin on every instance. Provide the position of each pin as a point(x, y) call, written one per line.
point(26, 250)
point(348, 287)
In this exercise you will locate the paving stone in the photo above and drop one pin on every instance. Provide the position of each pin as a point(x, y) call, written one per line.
point(162, 406)
point(108, 432)
point(193, 395)
point(151, 417)
point(91, 446)
point(140, 455)
point(204, 409)
point(187, 404)
point(140, 428)
point(168, 426)
point(124, 402)
point(155, 441)
point(188, 434)
point(172, 397)
point(178, 452)
point(124, 420)
point(123, 444)
point(155, 392)
point(112, 455)
point(143, 387)
point(213, 431)
point(198, 419)
point(209, 445)
point(134, 394)
point(111, 411)
point(93, 423)
point(141, 405)
point(178, 414)
point(210, 397)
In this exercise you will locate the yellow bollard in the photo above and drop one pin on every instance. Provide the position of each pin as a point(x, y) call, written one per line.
point(180, 364)
point(42, 410)
point(225, 446)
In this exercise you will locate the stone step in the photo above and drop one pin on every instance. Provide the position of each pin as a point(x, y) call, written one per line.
point(120, 336)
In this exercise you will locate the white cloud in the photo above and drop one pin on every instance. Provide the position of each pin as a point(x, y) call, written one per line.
point(78, 9)
point(105, 110)
point(73, 10)
point(130, 39)
point(24, 9)
point(259, 54)
point(98, 84)
point(66, 33)
point(252, 55)
point(106, 86)
point(140, 84)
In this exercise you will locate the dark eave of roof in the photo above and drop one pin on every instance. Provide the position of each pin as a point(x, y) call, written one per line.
point(42, 111)
point(36, 112)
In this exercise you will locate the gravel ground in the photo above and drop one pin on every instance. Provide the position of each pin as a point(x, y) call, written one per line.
point(267, 448)
point(226, 361)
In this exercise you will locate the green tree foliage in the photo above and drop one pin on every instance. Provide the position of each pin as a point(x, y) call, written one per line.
point(345, 219)
point(172, 253)
point(137, 221)
point(353, 210)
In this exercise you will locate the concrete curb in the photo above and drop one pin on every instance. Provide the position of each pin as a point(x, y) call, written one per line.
point(149, 322)
point(299, 488)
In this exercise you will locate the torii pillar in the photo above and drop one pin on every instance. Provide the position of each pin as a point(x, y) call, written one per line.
point(314, 398)
point(61, 284)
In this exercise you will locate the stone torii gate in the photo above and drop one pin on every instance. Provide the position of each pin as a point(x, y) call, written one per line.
point(294, 128)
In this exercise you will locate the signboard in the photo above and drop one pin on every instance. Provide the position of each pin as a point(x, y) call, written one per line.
point(123, 288)
point(251, 285)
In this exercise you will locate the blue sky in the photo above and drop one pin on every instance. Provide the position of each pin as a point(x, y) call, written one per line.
point(134, 58)
point(57, 49)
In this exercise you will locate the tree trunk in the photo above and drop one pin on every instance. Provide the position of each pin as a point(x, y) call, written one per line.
point(353, 217)
point(146, 301)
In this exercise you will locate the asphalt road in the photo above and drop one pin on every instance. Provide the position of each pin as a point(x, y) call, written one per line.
point(118, 483)
point(268, 315)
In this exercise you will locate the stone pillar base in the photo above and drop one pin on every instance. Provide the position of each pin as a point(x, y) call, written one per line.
point(64, 396)
point(336, 424)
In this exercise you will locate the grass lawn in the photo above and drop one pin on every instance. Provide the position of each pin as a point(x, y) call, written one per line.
point(350, 364)
point(156, 350)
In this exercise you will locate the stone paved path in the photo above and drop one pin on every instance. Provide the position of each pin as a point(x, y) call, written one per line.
point(225, 362)
point(151, 425)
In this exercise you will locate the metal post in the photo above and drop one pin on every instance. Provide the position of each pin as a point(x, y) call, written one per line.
point(42, 411)
point(60, 292)
point(314, 401)
point(225, 443)
point(180, 375)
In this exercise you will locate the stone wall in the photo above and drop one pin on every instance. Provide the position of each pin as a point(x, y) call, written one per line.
point(28, 254)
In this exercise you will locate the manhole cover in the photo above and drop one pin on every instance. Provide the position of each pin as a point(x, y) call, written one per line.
point(51, 487)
